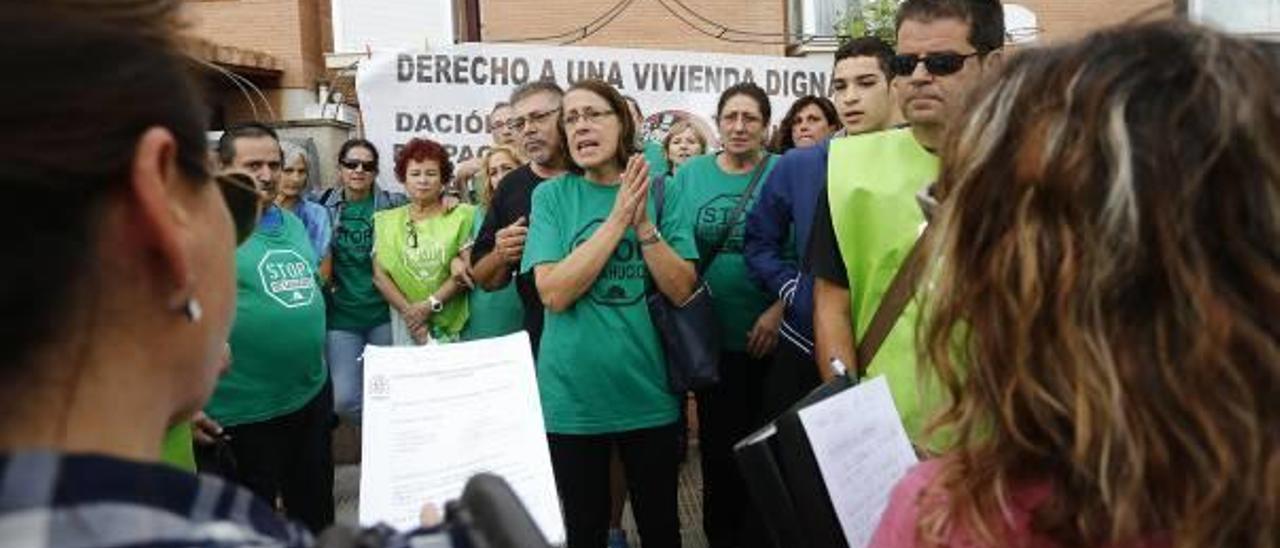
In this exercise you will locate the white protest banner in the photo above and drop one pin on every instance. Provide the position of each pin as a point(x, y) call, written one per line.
point(446, 94)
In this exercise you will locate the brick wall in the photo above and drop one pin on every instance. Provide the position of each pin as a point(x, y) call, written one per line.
point(645, 24)
point(1060, 19)
point(290, 30)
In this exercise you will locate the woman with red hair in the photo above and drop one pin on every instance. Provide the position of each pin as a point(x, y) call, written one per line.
point(415, 246)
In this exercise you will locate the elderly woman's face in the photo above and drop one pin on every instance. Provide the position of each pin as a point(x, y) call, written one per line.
point(423, 180)
point(593, 129)
point(683, 146)
point(293, 177)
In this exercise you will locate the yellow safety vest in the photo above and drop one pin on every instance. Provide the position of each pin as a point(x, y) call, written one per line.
point(873, 179)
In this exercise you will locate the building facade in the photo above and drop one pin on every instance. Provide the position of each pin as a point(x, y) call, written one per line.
point(295, 33)
point(291, 49)
point(722, 26)
point(763, 27)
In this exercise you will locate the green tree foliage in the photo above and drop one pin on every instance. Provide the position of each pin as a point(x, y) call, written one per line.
point(869, 18)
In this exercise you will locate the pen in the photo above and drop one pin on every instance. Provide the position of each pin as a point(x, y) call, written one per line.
point(838, 367)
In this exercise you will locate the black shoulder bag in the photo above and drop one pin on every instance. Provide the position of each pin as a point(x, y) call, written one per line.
point(689, 331)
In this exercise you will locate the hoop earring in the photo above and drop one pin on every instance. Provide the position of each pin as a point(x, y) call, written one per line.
point(193, 310)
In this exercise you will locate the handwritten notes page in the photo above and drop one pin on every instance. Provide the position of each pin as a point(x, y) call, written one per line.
point(862, 451)
point(436, 415)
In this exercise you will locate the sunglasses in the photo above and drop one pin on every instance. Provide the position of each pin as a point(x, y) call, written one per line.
point(938, 64)
point(243, 200)
point(354, 165)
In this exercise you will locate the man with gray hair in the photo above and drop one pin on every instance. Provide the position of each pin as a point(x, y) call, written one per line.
point(499, 247)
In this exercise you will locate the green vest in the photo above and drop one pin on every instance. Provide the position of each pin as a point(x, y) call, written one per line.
point(416, 256)
point(872, 184)
point(177, 449)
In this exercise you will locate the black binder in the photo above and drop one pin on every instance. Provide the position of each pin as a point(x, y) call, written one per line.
point(777, 461)
point(784, 480)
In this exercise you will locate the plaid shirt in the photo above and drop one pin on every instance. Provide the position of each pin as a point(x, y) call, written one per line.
point(53, 500)
point(49, 499)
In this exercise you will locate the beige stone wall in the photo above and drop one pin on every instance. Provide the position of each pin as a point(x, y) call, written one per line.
point(645, 24)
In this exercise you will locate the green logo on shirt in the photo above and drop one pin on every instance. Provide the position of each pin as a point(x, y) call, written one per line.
point(353, 241)
point(712, 220)
point(287, 277)
point(621, 282)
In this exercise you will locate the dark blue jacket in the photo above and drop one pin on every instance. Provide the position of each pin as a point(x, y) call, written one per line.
point(778, 234)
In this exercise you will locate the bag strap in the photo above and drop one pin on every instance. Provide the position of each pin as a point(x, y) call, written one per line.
point(901, 289)
point(732, 219)
point(659, 186)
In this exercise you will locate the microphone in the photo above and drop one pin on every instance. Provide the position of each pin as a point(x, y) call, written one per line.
point(490, 515)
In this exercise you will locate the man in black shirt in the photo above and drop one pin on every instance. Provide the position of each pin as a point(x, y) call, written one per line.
point(500, 244)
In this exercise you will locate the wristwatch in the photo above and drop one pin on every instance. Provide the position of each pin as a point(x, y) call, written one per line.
point(653, 238)
point(436, 304)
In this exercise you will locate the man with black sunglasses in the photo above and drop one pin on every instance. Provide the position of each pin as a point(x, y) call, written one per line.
point(869, 218)
point(275, 401)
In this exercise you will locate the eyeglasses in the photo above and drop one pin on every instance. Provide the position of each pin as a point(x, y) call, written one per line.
point(937, 64)
point(243, 201)
point(354, 165)
point(593, 117)
point(537, 117)
point(747, 119)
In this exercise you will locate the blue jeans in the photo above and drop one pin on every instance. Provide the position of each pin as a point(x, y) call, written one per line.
point(344, 352)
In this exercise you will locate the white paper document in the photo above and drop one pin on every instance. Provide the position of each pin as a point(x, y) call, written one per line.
point(436, 415)
point(862, 451)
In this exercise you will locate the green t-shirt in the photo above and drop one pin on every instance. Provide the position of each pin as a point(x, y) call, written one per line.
point(709, 196)
point(600, 366)
point(356, 304)
point(656, 157)
point(492, 313)
point(416, 255)
point(277, 341)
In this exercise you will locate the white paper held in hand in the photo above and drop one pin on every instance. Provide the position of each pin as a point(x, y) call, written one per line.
point(436, 415)
point(862, 450)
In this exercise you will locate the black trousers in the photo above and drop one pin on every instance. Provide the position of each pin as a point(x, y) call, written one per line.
point(581, 465)
point(791, 376)
point(728, 412)
point(290, 456)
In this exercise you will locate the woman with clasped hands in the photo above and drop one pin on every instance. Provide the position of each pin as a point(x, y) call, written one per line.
point(594, 248)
